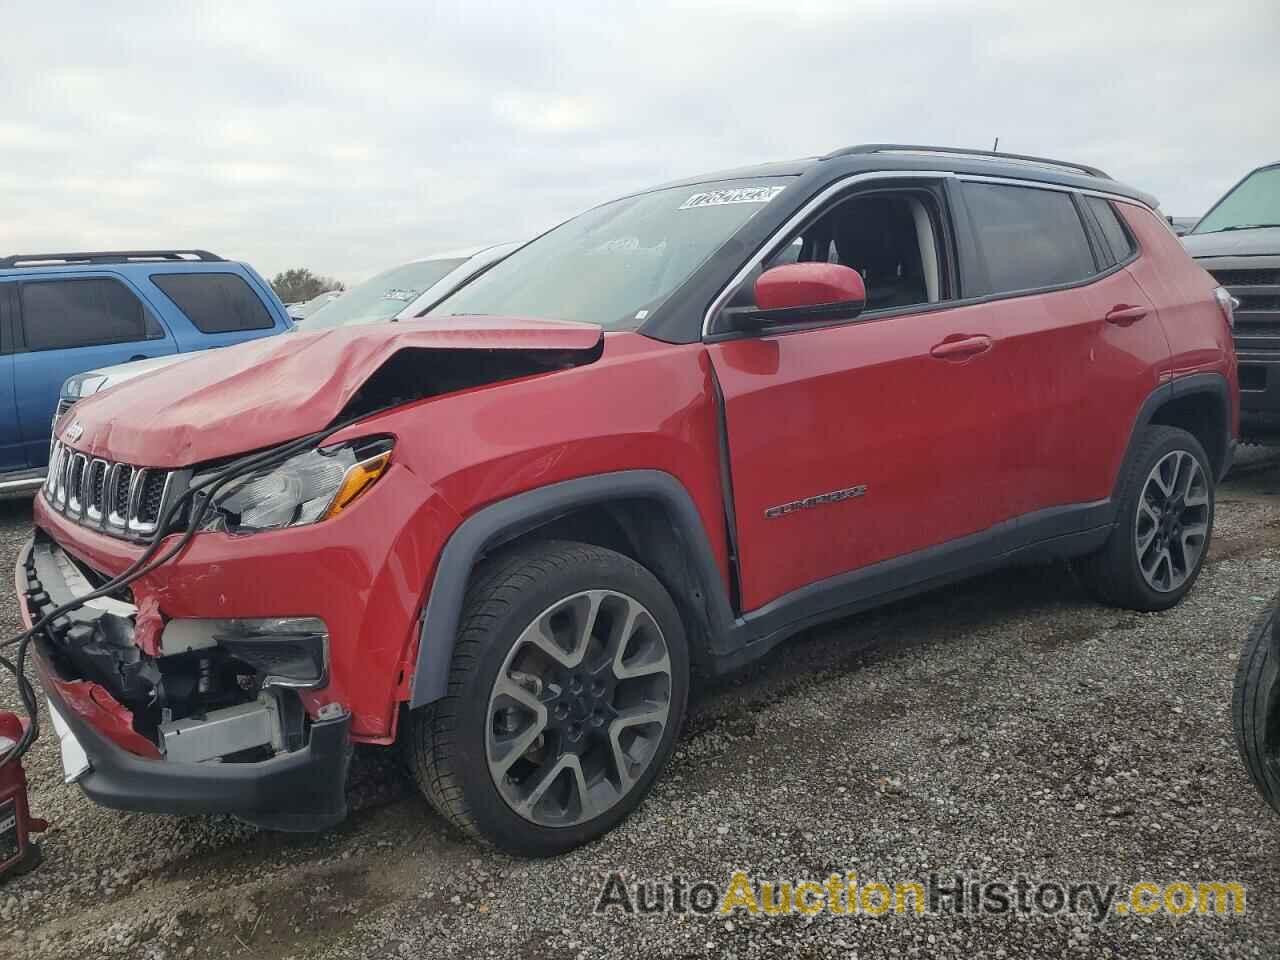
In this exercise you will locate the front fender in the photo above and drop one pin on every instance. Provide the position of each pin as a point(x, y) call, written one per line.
point(509, 518)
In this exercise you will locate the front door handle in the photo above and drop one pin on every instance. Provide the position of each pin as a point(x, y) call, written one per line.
point(1122, 315)
point(961, 347)
point(138, 356)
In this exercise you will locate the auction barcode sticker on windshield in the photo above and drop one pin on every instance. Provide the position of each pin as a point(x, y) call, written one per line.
point(715, 198)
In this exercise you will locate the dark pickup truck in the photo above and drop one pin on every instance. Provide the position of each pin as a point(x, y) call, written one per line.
point(1238, 241)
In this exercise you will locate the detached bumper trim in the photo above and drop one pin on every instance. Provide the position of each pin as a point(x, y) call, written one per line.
point(299, 791)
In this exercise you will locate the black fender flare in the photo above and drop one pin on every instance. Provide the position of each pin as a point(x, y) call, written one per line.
point(507, 519)
point(1213, 384)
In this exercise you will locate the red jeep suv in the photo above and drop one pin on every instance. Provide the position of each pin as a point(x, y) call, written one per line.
point(648, 445)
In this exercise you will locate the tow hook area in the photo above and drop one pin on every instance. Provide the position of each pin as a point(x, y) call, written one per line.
point(221, 733)
point(219, 689)
point(213, 724)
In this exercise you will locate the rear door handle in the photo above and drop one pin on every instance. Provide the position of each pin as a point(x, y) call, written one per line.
point(961, 348)
point(1122, 315)
point(138, 356)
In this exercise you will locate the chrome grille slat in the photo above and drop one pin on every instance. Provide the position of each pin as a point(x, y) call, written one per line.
point(60, 484)
point(97, 487)
point(117, 498)
point(75, 483)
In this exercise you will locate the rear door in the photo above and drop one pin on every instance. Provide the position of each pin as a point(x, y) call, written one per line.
point(65, 326)
point(1077, 377)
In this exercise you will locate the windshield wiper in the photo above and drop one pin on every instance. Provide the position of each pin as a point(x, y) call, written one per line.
point(1244, 226)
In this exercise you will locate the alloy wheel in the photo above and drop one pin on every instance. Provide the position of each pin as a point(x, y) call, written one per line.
point(1172, 524)
point(578, 709)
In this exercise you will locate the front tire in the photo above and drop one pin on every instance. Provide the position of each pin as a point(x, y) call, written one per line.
point(567, 689)
point(1163, 527)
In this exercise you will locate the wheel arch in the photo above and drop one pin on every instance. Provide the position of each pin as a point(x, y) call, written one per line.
point(1200, 404)
point(647, 515)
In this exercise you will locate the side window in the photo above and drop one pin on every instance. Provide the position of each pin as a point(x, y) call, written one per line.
point(215, 302)
point(80, 313)
point(1029, 238)
point(890, 237)
point(1117, 237)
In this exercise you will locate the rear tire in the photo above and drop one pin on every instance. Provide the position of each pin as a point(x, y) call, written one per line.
point(1255, 708)
point(1164, 524)
point(566, 692)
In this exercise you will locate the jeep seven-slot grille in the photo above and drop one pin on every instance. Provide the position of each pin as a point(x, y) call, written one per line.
point(116, 498)
point(1257, 288)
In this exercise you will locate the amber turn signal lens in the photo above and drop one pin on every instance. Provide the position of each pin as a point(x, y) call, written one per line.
point(359, 478)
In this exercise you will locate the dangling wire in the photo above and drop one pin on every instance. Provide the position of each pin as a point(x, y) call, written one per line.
point(145, 563)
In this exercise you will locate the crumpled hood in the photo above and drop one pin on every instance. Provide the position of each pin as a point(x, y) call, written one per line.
point(242, 398)
point(1234, 243)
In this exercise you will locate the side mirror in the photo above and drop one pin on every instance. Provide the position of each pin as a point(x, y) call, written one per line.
point(802, 293)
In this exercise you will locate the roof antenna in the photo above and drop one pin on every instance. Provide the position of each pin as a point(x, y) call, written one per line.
point(995, 147)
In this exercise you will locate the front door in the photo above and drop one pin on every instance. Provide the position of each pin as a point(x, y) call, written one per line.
point(862, 441)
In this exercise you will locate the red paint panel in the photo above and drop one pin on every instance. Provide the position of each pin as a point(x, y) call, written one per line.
point(953, 420)
point(102, 711)
point(808, 285)
point(816, 411)
point(1199, 339)
point(1068, 387)
point(366, 572)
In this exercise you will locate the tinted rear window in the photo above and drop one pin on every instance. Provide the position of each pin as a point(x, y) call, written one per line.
point(1029, 238)
point(1113, 230)
point(215, 302)
point(79, 313)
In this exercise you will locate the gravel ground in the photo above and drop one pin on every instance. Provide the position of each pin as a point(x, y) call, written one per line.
point(1004, 727)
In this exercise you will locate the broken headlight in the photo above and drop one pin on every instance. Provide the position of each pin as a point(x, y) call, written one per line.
point(306, 488)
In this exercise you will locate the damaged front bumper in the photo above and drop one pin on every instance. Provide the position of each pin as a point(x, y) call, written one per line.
point(298, 784)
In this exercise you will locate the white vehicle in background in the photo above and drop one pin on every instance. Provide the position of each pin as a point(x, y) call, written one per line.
point(305, 308)
point(406, 291)
point(401, 293)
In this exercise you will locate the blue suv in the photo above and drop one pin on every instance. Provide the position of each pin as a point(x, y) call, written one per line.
point(64, 313)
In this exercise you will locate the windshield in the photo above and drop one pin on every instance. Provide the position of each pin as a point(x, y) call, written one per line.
point(308, 307)
point(381, 297)
point(1255, 202)
point(615, 264)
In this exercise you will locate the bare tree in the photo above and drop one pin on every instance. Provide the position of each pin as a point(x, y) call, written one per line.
point(293, 286)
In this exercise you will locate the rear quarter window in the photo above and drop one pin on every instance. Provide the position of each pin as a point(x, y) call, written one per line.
point(215, 302)
point(1029, 238)
point(59, 314)
point(1113, 231)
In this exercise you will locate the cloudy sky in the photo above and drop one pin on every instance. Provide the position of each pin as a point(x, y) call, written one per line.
point(349, 137)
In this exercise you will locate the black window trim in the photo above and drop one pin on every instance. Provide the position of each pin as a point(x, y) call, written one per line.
point(1099, 248)
point(958, 216)
point(1036, 291)
point(257, 295)
point(8, 311)
point(1091, 219)
point(988, 295)
point(17, 318)
point(890, 181)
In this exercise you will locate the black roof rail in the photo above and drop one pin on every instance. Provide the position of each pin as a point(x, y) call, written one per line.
point(107, 256)
point(962, 152)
